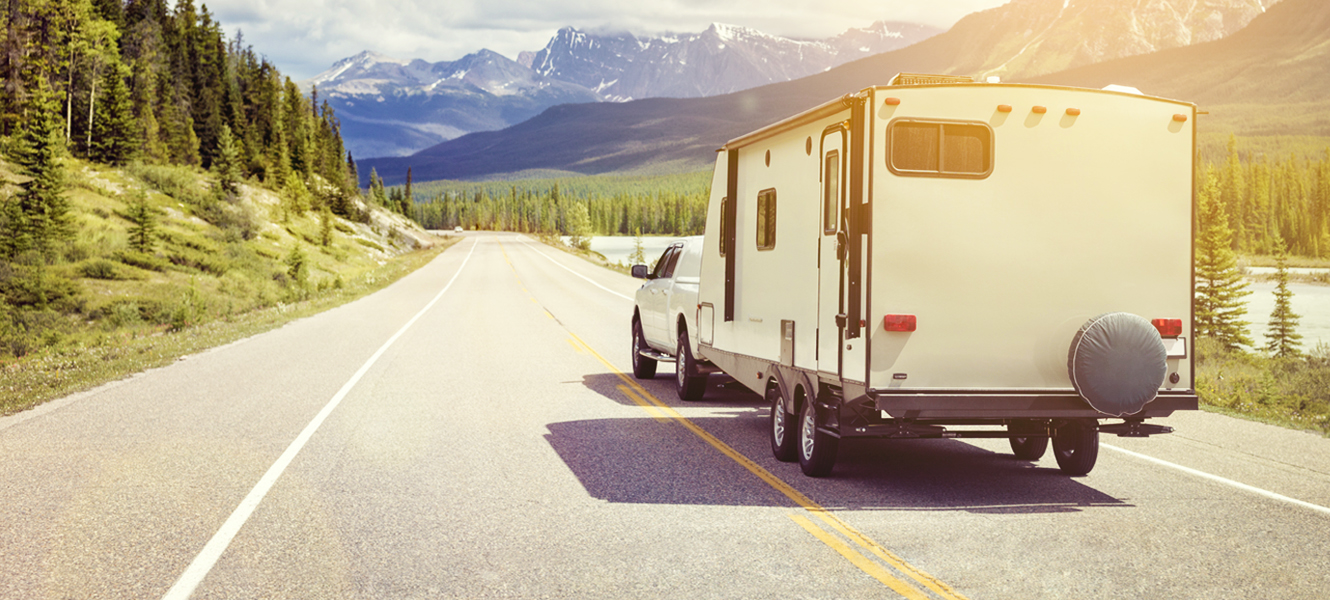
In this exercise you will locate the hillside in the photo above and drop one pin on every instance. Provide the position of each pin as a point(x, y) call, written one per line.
point(1269, 79)
point(681, 134)
point(105, 305)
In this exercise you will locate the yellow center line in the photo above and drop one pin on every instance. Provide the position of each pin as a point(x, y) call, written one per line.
point(868, 566)
point(798, 497)
point(647, 406)
point(649, 402)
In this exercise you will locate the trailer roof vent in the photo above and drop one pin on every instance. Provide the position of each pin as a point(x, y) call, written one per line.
point(926, 79)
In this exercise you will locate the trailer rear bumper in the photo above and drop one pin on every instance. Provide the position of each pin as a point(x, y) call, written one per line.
point(916, 405)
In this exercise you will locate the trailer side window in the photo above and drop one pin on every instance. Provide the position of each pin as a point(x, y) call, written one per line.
point(830, 192)
point(940, 149)
point(766, 219)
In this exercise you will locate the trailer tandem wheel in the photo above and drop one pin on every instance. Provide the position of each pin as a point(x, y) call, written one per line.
point(1032, 447)
point(817, 448)
point(1076, 446)
point(781, 429)
point(643, 367)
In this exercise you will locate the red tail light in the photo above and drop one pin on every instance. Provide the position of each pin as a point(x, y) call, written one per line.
point(898, 322)
point(1169, 328)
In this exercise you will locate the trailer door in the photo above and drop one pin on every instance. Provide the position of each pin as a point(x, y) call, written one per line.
point(831, 249)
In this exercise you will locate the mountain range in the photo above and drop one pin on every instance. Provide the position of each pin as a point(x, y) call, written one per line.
point(393, 107)
point(679, 134)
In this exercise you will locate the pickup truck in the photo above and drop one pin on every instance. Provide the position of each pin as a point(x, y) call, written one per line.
point(665, 318)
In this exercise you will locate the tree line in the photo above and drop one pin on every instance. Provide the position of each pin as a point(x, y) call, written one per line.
point(116, 81)
point(665, 205)
point(1268, 199)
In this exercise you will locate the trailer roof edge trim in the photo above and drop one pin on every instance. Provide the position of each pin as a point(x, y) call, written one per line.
point(831, 107)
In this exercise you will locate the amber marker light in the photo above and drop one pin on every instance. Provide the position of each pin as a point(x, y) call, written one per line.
point(1181, 118)
point(1039, 110)
point(893, 101)
point(1004, 108)
point(1075, 112)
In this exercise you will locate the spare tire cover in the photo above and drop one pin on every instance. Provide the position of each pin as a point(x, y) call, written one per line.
point(1117, 363)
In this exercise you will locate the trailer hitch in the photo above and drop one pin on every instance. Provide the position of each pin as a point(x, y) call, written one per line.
point(1135, 428)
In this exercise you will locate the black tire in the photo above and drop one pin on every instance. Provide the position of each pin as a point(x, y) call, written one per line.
point(817, 449)
point(781, 428)
point(1028, 448)
point(643, 367)
point(688, 382)
point(1076, 446)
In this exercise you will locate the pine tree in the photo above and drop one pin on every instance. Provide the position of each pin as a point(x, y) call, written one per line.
point(113, 140)
point(579, 226)
point(1283, 339)
point(42, 216)
point(638, 257)
point(1219, 287)
point(226, 164)
point(143, 219)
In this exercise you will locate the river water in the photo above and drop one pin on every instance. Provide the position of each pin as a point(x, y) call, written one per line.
point(1310, 301)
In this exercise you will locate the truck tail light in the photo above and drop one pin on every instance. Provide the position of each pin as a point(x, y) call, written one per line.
point(1169, 328)
point(898, 322)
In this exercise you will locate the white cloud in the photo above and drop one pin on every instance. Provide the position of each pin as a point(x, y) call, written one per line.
point(304, 37)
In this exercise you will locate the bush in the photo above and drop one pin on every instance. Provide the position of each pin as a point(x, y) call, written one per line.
point(100, 268)
point(141, 260)
point(181, 183)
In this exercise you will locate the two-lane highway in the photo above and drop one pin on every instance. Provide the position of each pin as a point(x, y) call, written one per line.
point(469, 432)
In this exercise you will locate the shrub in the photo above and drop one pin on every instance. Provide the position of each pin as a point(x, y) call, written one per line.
point(141, 260)
point(100, 268)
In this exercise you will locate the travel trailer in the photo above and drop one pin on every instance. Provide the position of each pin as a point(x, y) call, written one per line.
point(943, 258)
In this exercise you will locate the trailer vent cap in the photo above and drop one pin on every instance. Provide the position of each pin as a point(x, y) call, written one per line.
point(1117, 363)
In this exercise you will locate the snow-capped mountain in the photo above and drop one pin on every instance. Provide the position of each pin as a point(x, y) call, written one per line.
point(720, 60)
point(393, 107)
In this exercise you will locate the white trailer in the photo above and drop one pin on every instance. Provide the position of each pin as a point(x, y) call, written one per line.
point(938, 252)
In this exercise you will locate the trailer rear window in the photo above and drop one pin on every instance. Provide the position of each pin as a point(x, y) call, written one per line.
point(940, 149)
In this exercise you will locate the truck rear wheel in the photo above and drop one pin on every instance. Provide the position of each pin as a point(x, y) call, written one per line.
point(1076, 446)
point(688, 381)
point(781, 427)
point(817, 449)
point(643, 367)
point(1028, 448)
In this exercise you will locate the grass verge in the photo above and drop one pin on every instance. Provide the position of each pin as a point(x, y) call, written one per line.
point(67, 369)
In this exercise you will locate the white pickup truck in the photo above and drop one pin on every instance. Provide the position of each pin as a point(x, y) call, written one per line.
point(665, 318)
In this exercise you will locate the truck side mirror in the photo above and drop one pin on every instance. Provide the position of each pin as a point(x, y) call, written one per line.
point(640, 272)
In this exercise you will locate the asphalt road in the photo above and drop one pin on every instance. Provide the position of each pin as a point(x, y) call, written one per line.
point(468, 433)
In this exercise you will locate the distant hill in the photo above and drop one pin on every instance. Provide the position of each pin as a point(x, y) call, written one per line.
point(681, 134)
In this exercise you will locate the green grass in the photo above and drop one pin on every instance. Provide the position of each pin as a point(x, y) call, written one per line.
point(98, 310)
point(1292, 393)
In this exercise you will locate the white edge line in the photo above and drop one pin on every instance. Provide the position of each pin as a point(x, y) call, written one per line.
point(1228, 482)
point(212, 551)
point(561, 265)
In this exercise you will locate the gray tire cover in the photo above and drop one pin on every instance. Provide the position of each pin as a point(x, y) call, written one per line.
point(1117, 363)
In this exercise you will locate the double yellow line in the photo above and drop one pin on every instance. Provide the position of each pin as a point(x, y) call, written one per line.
point(662, 412)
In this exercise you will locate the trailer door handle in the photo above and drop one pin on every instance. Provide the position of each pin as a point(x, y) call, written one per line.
point(840, 320)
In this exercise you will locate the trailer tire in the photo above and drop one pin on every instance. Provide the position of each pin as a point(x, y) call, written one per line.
point(817, 449)
point(689, 382)
point(643, 367)
point(781, 428)
point(1028, 448)
point(1076, 446)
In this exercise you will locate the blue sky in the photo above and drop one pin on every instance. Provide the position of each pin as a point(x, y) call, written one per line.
point(304, 37)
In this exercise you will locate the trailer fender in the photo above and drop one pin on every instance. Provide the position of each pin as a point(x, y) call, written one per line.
point(1117, 363)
